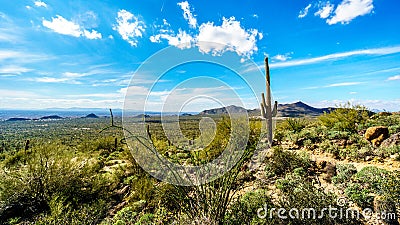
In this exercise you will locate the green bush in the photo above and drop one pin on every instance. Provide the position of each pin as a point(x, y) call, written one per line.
point(365, 184)
point(345, 117)
point(298, 191)
point(344, 173)
point(244, 209)
point(51, 172)
point(293, 124)
point(283, 162)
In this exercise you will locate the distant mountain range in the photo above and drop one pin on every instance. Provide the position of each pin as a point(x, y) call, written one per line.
point(297, 109)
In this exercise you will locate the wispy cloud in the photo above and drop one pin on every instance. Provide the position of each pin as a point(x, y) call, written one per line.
point(344, 84)
point(54, 80)
point(15, 70)
point(17, 94)
point(303, 13)
point(397, 77)
point(336, 56)
point(187, 14)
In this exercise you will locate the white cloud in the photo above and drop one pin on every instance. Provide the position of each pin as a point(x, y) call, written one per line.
point(344, 84)
point(134, 90)
point(282, 57)
point(55, 80)
point(92, 34)
point(181, 40)
point(229, 36)
point(210, 38)
point(187, 14)
point(63, 26)
point(347, 10)
point(325, 11)
point(394, 78)
point(303, 13)
point(40, 4)
point(374, 51)
point(14, 70)
point(129, 27)
point(74, 75)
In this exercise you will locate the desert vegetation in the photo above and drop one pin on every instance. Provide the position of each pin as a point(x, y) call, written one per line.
point(74, 171)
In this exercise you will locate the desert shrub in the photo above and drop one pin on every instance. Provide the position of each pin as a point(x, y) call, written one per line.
point(142, 188)
point(244, 209)
point(293, 124)
point(392, 122)
point(336, 134)
point(351, 153)
point(391, 186)
point(386, 152)
point(365, 184)
point(283, 162)
point(51, 171)
point(293, 129)
point(328, 147)
point(311, 133)
point(344, 173)
point(358, 194)
point(61, 212)
point(300, 192)
point(208, 203)
point(345, 117)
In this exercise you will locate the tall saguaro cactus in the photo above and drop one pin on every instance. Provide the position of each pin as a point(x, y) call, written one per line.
point(267, 110)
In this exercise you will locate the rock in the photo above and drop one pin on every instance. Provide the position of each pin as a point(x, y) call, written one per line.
point(392, 140)
point(395, 156)
point(376, 134)
point(369, 158)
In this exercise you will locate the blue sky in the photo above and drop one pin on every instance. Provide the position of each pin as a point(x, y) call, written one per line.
point(84, 53)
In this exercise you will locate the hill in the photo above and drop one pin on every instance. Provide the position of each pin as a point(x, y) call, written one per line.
point(224, 110)
point(297, 109)
point(52, 117)
point(91, 115)
point(17, 119)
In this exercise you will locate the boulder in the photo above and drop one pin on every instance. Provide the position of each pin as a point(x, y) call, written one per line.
point(376, 135)
point(392, 140)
